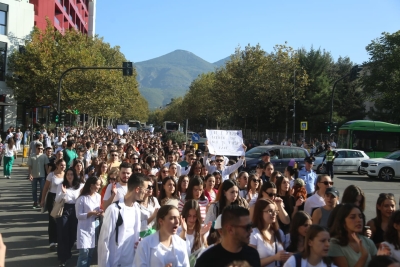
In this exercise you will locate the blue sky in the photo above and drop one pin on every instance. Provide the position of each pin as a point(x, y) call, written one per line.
point(146, 29)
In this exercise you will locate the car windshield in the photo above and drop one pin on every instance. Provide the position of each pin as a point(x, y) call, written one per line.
point(394, 155)
point(255, 152)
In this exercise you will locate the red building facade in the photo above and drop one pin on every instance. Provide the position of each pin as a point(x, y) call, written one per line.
point(64, 14)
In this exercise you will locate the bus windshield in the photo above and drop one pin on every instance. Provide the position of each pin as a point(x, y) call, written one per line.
point(134, 124)
point(172, 126)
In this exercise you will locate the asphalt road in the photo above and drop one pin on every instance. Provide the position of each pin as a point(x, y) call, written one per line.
point(25, 229)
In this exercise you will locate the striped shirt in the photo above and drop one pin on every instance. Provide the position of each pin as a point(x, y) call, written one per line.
point(203, 208)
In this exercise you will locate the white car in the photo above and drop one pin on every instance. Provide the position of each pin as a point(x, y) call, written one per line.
point(348, 160)
point(383, 168)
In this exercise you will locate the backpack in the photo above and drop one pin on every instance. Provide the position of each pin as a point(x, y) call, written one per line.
point(119, 222)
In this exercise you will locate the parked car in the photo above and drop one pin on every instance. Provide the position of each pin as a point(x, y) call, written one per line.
point(348, 160)
point(283, 155)
point(385, 168)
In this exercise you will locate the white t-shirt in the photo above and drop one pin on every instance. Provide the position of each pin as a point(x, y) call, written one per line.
point(54, 182)
point(167, 254)
point(265, 249)
point(9, 152)
point(121, 192)
point(315, 201)
point(146, 213)
point(129, 243)
point(291, 262)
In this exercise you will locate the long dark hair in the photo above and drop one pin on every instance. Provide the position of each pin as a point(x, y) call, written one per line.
point(299, 219)
point(162, 212)
point(193, 204)
point(193, 167)
point(75, 183)
point(225, 186)
point(162, 190)
point(89, 182)
point(350, 195)
point(382, 197)
point(338, 229)
point(258, 219)
point(10, 143)
point(264, 188)
point(195, 181)
point(391, 234)
point(82, 173)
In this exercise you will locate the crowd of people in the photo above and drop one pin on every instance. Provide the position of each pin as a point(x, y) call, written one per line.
point(144, 201)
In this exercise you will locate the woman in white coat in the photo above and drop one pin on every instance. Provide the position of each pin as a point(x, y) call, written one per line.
point(164, 248)
point(87, 209)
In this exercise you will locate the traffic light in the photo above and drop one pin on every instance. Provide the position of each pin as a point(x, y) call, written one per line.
point(76, 112)
point(328, 127)
point(56, 118)
point(127, 68)
point(354, 72)
point(335, 124)
point(62, 116)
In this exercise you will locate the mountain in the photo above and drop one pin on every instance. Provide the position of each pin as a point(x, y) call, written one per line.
point(170, 75)
point(221, 62)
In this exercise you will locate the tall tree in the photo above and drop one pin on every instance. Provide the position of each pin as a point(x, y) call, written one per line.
point(381, 79)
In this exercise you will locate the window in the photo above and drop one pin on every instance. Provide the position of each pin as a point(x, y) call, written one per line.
point(3, 18)
point(3, 56)
point(341, 154)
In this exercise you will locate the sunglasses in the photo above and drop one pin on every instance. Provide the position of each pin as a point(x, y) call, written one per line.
point(150, 187)
point(138, 170)
point(256, 180)
point(165, 171)
point(271, 195)
point(246, 227)
point(219, 160)
point(326, 183)
point(135, 158)
point(113, 179)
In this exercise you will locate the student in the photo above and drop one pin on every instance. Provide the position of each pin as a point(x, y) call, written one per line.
point(236, 229)
point(392, 235)
point(385, 206)
point(116, 191)
point(348, 246)
point(317, 199)
point(121, 225)
point(266, 236)
point(355, 195)
point(165, 247)
point(299, 226)
point(195, 191)
point(183, 184)
point(242, 182)
point(316, 247)
point(191, 229)
point(209, 191)
point(87, 208)
point(168, 193)
point(321, 215)
point(68, 191)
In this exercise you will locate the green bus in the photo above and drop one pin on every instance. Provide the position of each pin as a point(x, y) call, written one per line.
point(375, 138)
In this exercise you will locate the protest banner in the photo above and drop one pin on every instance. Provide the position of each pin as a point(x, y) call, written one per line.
point(225, 142)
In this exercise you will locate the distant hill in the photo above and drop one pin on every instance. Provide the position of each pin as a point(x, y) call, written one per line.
point(221, 62)
point(170, 75)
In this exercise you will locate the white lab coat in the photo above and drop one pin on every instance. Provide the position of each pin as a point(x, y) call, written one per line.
point(111, 254)
point(86, 226)
point(148, 255)
point(227, 170)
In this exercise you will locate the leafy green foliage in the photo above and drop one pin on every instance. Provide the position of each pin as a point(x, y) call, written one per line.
point(381, 79)
point(176, 136)
point(35, 75)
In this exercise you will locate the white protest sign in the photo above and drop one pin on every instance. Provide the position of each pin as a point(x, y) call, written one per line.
point(121, 129)
point(224, 142)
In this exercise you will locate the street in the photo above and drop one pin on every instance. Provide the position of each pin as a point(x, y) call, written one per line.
point(25, 229)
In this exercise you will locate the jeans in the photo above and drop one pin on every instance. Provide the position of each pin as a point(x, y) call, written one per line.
point(34, 183)
point(8, 162)
point(85, 257)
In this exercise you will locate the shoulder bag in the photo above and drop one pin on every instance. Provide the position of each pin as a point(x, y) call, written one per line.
point(58, 209)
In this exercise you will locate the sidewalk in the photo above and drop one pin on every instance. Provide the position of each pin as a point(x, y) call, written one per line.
point(24, 229)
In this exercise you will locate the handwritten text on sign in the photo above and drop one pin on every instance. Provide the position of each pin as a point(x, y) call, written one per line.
point(222, 142)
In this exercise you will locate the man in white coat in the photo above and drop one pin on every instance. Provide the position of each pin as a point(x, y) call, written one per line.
point(116, 246)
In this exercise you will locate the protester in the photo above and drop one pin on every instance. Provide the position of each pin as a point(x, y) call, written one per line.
point(283, 190)
point(295, 240)
point(236, 230)
point(266, 236)
point(121, 225)
point(195, 191)
point(116, 191)
point(36, 166)
point(218, 179)
point(168, 193)
point(253, 187)
point(355, 195)
point(68, 191)
point(148, 211)
point(392, 235)
point(10, 153)
point(385, 206)
point(165, 247)
point(53, 180)
point(242, 181)
point(87, 209)
point(183, 183)
point(209, 190)
point(321, 215)
point(316, 200)
point(316, 247)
